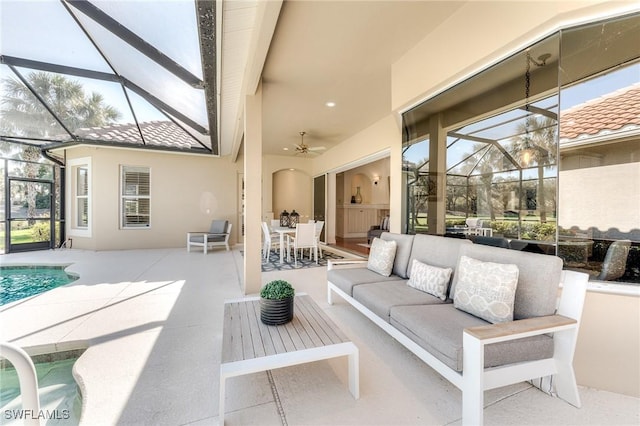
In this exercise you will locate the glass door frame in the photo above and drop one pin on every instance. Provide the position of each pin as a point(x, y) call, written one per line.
point(9, 219)
point(320, 202)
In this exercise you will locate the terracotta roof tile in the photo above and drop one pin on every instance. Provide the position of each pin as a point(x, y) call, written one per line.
point(619, 110)
point(156, 133)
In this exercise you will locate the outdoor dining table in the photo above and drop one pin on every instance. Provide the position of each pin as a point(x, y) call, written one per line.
point(281, 230)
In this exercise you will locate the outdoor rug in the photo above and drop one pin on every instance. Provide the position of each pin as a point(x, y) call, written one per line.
point(273, 264)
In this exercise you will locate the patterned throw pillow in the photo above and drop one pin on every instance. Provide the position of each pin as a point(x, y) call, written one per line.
point(381, 256)
point(486, 289)
point(430, 279)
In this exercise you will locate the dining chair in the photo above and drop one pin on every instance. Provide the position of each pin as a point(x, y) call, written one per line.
point(319, 225)
point(305, 237)
point(269, 242)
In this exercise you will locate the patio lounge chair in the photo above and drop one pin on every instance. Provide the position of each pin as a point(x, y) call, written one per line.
point(614, 265)
point(217, 236)
point(377, 230)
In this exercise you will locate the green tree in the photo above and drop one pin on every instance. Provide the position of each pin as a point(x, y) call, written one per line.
point(536, 144)
point(22, 114)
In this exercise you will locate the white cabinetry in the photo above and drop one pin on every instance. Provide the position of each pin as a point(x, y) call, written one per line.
point(354, 220)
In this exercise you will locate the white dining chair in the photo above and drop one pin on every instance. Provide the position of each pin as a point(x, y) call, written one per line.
point(305, 237)
point(269, 242)
point(319, 225)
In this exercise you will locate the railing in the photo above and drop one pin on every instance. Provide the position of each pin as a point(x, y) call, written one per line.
point(28, 382)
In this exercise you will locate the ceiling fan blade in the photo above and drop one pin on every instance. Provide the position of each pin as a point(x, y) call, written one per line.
point(317, 148)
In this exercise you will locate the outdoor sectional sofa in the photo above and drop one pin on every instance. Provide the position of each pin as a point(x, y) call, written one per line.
point(472, 353)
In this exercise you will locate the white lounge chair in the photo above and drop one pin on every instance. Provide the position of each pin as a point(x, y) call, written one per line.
point(217, 236)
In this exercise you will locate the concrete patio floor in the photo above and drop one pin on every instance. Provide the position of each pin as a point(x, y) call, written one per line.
point(152, 323)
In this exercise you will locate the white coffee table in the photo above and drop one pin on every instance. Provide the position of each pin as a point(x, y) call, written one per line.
point(249, 346)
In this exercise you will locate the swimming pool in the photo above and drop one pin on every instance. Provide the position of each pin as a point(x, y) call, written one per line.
point(60, 396)
point(18, 282)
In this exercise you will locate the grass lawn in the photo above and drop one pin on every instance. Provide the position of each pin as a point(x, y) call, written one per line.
point(19, 236)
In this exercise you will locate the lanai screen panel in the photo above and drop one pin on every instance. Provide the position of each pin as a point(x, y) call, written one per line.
point(137, 67)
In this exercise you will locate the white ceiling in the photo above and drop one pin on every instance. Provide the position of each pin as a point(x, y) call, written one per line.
point(321, 51)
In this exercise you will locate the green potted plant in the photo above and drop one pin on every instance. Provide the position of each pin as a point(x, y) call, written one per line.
point(276, 302)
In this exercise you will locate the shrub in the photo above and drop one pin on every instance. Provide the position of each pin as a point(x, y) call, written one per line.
point(41, 232)
point(277, 289)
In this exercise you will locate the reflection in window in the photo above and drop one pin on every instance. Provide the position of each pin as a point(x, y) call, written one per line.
point(507, 175)
point(554, 169)
point(415, 174)
point(599, 175)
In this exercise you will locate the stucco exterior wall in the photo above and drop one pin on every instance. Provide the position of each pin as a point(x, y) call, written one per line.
point(608, 197)
point(608, 347)
point(187, 192)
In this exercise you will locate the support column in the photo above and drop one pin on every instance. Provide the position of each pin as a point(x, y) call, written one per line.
point(252, 192)
point(397, 186)
point(437, 176)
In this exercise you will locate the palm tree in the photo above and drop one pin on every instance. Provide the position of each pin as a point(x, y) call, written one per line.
point(483, 162)
point(535, 143)
point(23, 114)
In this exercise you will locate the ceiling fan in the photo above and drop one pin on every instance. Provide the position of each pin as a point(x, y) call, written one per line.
point(303, 148)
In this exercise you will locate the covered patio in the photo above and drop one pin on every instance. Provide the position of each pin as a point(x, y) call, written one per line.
point(152, 323)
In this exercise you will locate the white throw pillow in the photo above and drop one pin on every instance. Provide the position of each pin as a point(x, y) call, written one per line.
point(381, 256)
point(430, 279)
point(486, 289)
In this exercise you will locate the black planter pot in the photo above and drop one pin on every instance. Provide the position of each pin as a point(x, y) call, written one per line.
point(276, 311)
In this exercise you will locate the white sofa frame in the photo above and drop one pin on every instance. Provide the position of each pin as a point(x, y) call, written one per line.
point(475, 379)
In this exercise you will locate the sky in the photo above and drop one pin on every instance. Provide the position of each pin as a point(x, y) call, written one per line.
point(44, 31)
point(599, 86)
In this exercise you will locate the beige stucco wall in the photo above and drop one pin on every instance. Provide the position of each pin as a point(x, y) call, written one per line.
point(272, 164)
point(365, 177)
point(608, 347)
point(292, 190)
point(609, 197)
point(187, 192)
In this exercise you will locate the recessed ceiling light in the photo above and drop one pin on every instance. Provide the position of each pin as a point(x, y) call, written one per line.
point(330, 104)
point(286, 149)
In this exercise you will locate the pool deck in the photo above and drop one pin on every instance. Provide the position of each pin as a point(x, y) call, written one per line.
point(151, 321)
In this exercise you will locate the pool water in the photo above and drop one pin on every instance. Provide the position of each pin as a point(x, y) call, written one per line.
point(60, 399)
point(18, 282)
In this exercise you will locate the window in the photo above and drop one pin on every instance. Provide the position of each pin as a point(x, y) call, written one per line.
point(135, 197)
point(541, 148)
point(82, 197)
point(79, 192)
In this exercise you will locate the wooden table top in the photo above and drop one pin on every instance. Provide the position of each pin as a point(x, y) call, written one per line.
point(246, 337)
